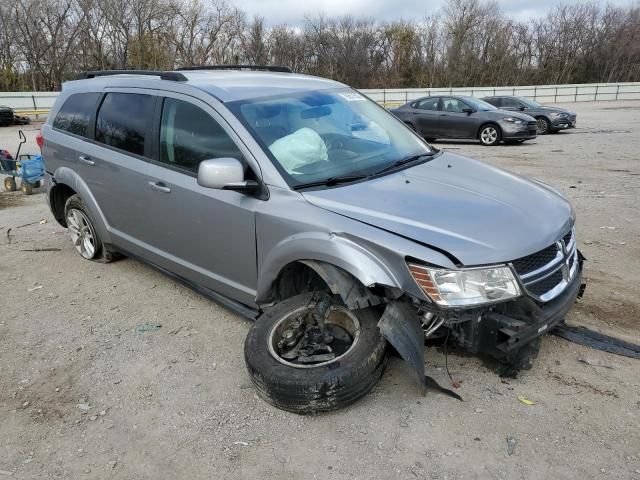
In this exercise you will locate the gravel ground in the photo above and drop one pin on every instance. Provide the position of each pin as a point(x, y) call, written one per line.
point(84, 394)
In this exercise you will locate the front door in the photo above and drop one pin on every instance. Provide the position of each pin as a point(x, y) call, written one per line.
point(426, 116)
point(204, 235)
point(454, 122)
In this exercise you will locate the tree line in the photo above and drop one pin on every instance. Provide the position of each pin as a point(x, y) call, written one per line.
point(466, 43)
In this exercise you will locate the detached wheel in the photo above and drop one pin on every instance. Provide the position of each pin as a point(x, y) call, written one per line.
point(489, 135)
point(10, 184)
point(81, 230)
point(26, 188)
point(297, 366)
point(542, 126)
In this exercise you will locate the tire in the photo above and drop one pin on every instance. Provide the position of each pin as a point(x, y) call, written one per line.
point(489, 135)
point(542, 126)
point(26, 188)
point(10, 184)
point(311, 389)
point(81, 228)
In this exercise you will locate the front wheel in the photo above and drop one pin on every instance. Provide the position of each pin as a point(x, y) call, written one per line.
point(489, 135)
point(542, 126)
point(302, 366)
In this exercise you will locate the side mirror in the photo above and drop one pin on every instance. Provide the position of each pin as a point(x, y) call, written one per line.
point(468, 110)
point(522, 108)
point(224, 174)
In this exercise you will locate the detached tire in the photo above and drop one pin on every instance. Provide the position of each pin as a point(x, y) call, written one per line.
point(321, 388)
point(10, 184)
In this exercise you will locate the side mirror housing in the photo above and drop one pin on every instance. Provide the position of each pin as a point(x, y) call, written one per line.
point(522, 108)
point(219, 173)
point(468, 111)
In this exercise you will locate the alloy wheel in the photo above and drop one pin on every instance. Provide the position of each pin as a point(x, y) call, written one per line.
point(81, 232)
point(489, 135)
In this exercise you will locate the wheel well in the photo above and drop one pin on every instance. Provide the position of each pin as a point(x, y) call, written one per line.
point(314, 276)
point(58, 197)
point(487, 124)
point(294, 279)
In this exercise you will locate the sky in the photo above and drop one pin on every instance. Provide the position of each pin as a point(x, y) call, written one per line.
point(293, 11)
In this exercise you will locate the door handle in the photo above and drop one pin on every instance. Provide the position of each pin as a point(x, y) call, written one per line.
point(86, 160)
point(160, 186)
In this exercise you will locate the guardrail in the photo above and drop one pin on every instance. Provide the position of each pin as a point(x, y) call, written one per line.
point(38, 104)
point(586, 92)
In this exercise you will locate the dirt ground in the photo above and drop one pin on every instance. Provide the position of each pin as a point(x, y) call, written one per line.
point(85, 394)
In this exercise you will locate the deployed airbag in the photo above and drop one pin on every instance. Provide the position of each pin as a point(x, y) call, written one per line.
point(302, 147)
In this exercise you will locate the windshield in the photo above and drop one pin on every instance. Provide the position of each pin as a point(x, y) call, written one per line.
point(478, 104)
point(528, 103)
point(319, 135)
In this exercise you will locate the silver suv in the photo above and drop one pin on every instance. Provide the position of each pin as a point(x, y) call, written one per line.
point(301, 203)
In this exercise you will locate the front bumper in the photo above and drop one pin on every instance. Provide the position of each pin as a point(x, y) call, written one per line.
point(511, 131)
point(506, 328)
point(563, 123)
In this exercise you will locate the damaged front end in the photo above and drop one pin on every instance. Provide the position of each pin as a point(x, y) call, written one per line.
point(522, 301)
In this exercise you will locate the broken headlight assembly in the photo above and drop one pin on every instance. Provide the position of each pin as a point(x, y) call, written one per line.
point(466, 286)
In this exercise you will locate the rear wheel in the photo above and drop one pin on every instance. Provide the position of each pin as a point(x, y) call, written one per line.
point(26, 188)
point(542, 126)
point(489, 135)
point(81, 230)
point(305, 366)
point(10, 184)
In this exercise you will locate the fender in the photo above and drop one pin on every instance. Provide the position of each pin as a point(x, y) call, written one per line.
point(328, 248)
point(69, 177)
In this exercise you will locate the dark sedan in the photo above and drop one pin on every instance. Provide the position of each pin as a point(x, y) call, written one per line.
point(465, 118)
point(549, 119)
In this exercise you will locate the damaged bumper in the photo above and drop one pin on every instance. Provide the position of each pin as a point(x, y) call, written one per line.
point(499, 331)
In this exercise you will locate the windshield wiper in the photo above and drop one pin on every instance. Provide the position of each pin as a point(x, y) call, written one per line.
point(404, 161)
point(331, 181)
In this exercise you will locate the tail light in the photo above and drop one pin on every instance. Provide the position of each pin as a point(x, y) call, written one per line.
point(40, 140)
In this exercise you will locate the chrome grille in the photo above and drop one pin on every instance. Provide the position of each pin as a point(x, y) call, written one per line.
point(545, 274)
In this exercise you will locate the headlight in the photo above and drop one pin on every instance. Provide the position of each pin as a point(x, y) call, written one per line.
point(472, 286)
point(557, 114)
point(517, 121)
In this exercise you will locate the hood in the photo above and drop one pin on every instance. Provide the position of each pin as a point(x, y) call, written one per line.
point(499, 114)
point(478, 213)
point(552, 110)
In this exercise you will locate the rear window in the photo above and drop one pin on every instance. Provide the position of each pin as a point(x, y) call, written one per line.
point(75, 113)
point(124, 121)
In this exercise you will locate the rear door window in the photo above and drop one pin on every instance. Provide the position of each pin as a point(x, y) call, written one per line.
point(189, 135)
point(124, 121)
point(428, 104)
point(75, 113)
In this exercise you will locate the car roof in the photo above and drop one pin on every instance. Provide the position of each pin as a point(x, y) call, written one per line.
point(225, 85)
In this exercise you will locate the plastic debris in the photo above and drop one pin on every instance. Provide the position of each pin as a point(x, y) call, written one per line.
point(511, 445)
point(33, 289)
point(148, 327)
point(596, 363)
point(525, 400)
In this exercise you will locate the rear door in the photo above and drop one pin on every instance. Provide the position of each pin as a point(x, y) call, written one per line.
point(427, 116)
point(454, 123)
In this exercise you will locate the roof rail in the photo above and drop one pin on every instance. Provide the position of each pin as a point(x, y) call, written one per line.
point(174, 76)
point(267, 68)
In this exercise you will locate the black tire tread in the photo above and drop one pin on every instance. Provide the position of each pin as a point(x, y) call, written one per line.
point(317, 390)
